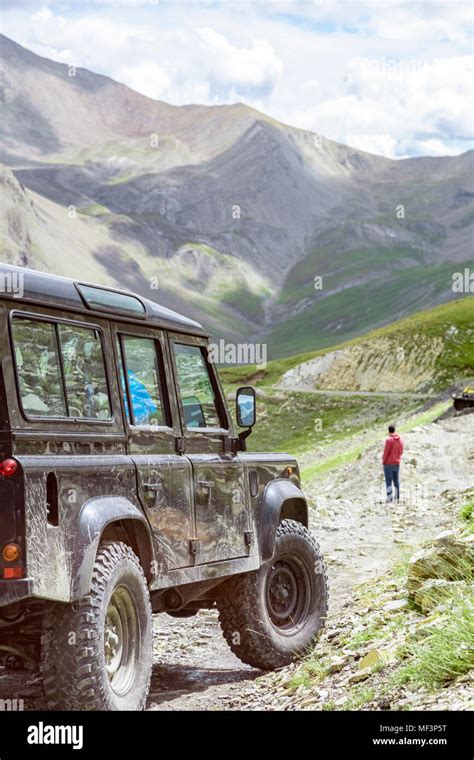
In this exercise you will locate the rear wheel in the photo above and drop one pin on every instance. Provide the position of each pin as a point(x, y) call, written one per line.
point(270, 617)
point(97, 654)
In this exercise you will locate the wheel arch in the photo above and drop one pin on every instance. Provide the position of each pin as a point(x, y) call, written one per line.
point(113, 518)
point(134, 533)
point(281, 500)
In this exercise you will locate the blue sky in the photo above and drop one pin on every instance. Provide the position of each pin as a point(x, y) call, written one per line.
point(390, 77)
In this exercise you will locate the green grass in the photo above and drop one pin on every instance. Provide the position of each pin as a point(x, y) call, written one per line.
point(305, 422)
point(292, 425)
point(330, 319)
point(246, 302)
point(312, 670)
point(456, 360)
point(467, 516)
point(425, 417)
point(352, 454)
point(380, 627)
point(466, 511)
point(359, 697)
point(322, 261)
point(229, 284)
point(94, 209)
point(446, 654)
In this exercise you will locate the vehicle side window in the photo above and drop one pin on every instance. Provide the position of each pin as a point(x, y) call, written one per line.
point(39, 369)
point(61, 370)
point(84, 372)
point(143, 396)
point(195, 388)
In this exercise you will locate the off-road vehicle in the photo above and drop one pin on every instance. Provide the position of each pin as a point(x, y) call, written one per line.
point(464, 399)
point(125, 492)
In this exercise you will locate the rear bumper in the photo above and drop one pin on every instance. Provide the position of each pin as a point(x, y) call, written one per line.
point(15, 590)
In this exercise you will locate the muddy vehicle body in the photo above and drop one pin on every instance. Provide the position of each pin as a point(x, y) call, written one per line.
point(125, 492)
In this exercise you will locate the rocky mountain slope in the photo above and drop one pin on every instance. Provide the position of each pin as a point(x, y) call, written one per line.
point(231, 213)
point(426, 352)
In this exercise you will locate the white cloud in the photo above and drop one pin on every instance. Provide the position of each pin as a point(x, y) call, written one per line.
point(42, 15)
point(390, 102)
point(148, 78)
point(431, 147)
point(90, 39)
point(311, 84)
point(245, 69)
point(383, 144)
point(423, 21)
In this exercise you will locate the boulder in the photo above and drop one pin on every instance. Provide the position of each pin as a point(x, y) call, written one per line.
point(449, 557)
point(395, 605)
point(337, 664)
point(377, 658)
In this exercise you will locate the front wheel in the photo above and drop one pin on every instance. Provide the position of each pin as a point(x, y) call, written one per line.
point(271, 616)
point(97, 653)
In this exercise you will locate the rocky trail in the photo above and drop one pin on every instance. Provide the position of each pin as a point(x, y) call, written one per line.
point(361, 537)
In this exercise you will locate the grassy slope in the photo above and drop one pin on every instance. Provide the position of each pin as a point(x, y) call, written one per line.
point(361, 262)
point(457, 360)
point(352, 310)
point(313, 427)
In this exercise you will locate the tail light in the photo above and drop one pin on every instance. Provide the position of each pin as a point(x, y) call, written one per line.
point(11, 552)
point(9, 468)
point(12, 572)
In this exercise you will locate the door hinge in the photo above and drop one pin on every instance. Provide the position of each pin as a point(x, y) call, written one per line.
point(180, 445)
point(194, 546)
point(248, 536)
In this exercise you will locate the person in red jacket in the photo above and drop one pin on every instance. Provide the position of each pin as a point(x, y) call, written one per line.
point(392, 455)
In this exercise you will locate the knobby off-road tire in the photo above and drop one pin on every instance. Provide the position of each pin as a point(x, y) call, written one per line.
point(97, 653)
point(271, 616)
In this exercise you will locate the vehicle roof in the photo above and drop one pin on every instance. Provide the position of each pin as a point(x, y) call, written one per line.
point(61, 292)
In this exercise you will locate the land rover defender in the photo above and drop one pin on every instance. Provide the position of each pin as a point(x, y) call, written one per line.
point(125, 492)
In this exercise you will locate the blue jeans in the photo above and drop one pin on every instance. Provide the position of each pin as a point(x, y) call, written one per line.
point(392, 481)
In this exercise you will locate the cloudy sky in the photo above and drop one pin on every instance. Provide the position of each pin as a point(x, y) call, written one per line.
point(390, 77)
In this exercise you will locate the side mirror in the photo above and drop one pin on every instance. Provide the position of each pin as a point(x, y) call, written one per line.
point(246, 407)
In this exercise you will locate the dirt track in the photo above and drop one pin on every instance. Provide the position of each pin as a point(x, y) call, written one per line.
point(360, 536)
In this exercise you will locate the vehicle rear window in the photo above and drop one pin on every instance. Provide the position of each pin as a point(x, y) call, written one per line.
point(61, 370)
